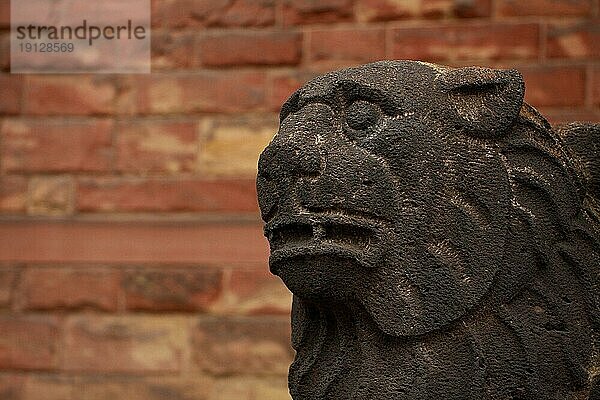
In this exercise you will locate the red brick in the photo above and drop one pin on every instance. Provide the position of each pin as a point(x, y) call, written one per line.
point(254, 290)
point(244, 13)
point(12, 87)
point(62, 387)
point(246, 387)
point(581, 40)
point(230, 147)
point(453, 8)
point(388, 10)
point(467, 42)
point(13, 194)
point(11, 386)
point(4, 13)
point(156, 146)
point(69, 95)
point(55, 145)
point(251, 48)
point(108, 13)
point(197, 241)
point(596, 85)
point(282, 87)
point(34, 11)
point(8, 278)
point(173, 290)
point(230, 346)
point(518, 8)
point(50, 195)
point(316, 11)
point(4, 51)
point(236, 13)
point(231, 91)
point(184, 13)
point(565, 115)
point(174, 50)
point(49, 288)
point(554, 86)
point(348, 45)
point(69, 14)
point(47, 387)
point(133, 195)
point(28, 343)
point(128, 344)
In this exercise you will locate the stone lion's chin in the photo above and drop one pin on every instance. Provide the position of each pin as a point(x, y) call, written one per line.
point(320, 255)
point(318, 275)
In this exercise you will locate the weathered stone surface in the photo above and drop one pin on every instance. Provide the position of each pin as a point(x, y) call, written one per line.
point(439, 236)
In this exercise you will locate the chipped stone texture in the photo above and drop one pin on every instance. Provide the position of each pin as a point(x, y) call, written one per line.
point(230, 147)
point(51, 195)
point(439, 236)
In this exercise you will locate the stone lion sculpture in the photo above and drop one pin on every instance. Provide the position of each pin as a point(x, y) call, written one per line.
point(440, 238)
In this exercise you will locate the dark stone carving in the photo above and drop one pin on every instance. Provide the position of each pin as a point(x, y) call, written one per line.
point(441, 239)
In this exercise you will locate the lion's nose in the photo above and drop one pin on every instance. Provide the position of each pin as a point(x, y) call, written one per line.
point(296, 150)
point(288, 159)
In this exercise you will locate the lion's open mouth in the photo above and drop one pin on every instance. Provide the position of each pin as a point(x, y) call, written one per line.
point(356, 238)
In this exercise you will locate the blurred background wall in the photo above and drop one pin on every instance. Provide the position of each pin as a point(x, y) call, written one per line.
point(132, 259)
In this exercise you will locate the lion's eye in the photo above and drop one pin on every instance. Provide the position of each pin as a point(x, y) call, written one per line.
point(361, 115)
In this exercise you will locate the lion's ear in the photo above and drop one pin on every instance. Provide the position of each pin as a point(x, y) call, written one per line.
point(484, 101)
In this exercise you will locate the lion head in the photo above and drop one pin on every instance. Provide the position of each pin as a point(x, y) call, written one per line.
point(438, 235)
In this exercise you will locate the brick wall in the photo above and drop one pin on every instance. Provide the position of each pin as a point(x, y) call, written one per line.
point(132, 263)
